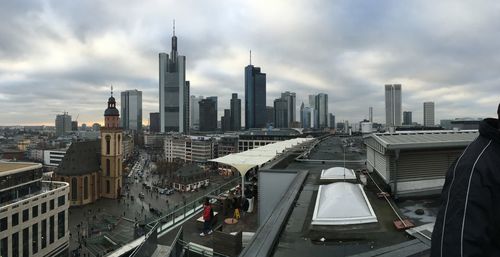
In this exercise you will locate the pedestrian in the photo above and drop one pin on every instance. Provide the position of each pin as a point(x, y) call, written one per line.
point(468, 222)
point(208, 215)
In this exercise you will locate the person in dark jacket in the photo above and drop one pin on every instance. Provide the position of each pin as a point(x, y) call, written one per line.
point(207, 218)
point(468, 222)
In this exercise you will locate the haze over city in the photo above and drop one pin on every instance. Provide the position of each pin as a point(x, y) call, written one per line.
point(63, 56)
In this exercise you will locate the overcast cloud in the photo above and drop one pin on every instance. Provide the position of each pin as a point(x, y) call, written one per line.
point(63, 55)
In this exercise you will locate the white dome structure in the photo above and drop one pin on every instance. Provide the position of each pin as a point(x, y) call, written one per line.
point(342, 203)
point(338, 173)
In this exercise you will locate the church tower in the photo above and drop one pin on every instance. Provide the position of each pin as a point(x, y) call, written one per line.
point(111, 152)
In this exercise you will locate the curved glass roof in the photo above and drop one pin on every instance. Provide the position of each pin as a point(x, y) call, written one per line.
point(338, 173)
point(342, 203)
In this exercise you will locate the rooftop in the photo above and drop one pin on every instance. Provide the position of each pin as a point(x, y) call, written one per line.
point(424, 139)
point(7, 168)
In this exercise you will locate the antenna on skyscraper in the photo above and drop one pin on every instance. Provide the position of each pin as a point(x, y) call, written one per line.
point(250, 57)
point(174, 27)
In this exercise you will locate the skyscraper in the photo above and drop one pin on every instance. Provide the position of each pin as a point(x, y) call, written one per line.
point(407, 119)
point(305, 116)
point(154, 122)
point(393, 105)
point(131, 109)
point(208, 115)
point(281, 113)
point(214, 98)
point(332, 121)
point(63, 124)
point(428, 114)
point(321, 111)
point(269, 116)
point(255, 97)
point(235, 112)
point(290, 98)
point(174, 91)
point(370, 114)
point(195, 111)
point(226, 120)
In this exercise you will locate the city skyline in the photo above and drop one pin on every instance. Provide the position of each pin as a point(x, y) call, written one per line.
point(67, 60)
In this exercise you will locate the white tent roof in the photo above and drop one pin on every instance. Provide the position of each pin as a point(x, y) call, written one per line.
point(246, 160)
point(342, 203)
point(338, 173)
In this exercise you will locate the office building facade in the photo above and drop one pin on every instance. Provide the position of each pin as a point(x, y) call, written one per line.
point(305, 116)
point(331, 121)
point(174, 91)
point(393, 105)
point(370, 114)
point(131, 109)
point(407, 118)
point(235, 113)
point(226, 120)
point(195, 111)
point(281, 113)
point(154, 122)
point(290, 97)
point(255, 97)
point(321, 111)
point(429, 114)
point(208, 115)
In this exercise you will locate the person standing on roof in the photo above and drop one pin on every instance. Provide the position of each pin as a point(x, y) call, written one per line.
point(468, 222)
point(207, 218)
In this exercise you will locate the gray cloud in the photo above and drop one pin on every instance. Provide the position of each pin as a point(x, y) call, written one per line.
point(58, 56)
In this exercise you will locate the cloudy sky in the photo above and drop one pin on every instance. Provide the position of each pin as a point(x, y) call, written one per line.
point(60, 56)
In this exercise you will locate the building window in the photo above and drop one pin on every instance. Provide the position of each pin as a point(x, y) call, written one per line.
point(4, 247)
point(61, 200)
point(15, 219)
point(3, 224)
point(26, 239)
point(108, 144)
point(26, 215)
point(34, 238)
point(86, 188)
point(44, 233)
point(34, 211)
point(51, 230)
point(118, 145)
point(44, 207)
point(60, 224)
point(15, 244)
point(74, 189)
point(108, 170)
point(51, 204)
point(108, 186)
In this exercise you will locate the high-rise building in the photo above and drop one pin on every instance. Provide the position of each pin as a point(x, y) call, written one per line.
point(321, 111)
point(235, 113)
point(370, 114)
point(393, 105)
point(174, 91)
point(407, 119)
point(226, 120)
point(63, 124)
point(154, 122)
point(290, 98)
point(131, 109)
point(214, 98)
point(281, 113)
point(195, 111)
point(305, 116)
point(428, 114)
point(269, 116)
point(255, 97)
point(208, 115)
point(331, 121)
point(74, 125)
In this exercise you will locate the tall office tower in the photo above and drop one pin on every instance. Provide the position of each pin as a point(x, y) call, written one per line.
point(255, 97)
point(305, 116)
point(428, 114)
point(370, 114)
point(63, 124)
point(269, 116)
point(154, 122)
point(235, 113)
point(214, 98)
point(226, 120)
point(290, 98)
point(174, 114)
point(332, 121)
point(131, 109)
point(281, 113)
point(208, 115)
point(74, 125)
point(187, 106)
point(393, 105)
point(321, 111)
point(195, 111)
point(407, 120)
point(312, 105)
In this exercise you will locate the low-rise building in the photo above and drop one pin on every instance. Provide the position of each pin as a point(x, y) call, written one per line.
point(190, 177)
point(189, 149)
point(53, 157)
point(33, 213)
point(128, 145)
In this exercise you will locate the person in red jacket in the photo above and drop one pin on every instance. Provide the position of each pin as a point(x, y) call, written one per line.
point(207, 218)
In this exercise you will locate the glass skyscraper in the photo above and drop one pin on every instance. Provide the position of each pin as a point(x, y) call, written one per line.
point(255, 97)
